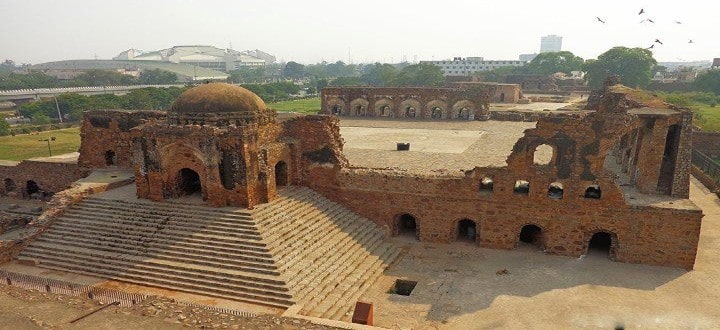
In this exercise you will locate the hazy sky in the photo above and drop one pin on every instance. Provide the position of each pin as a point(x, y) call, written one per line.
point(309, 31)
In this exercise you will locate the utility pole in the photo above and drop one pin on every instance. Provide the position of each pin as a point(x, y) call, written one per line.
point(58, 110)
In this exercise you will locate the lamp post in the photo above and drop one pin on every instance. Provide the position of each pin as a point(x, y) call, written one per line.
point(52, 138)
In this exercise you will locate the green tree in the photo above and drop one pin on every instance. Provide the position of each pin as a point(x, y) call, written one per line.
point(157, 77)
point(4, 127)
point(633, 65)
point(549, 63)
point(40, 119)
point(380, 75)
point(708, 82)
point(346, 81)
point(423, 74)
point(247, 75)
point(293, 70)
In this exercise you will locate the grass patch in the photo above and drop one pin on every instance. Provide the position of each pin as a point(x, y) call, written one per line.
point(706, 117)
point(305, 106)
point(24, 146)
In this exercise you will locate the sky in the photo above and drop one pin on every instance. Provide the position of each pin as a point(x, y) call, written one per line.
point(311, 31)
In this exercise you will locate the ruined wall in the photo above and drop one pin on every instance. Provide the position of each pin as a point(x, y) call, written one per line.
point(466, 103)
point(107, 137)
point(654, 229)
point(501, 93)
point(707, 143)
point(50, 177)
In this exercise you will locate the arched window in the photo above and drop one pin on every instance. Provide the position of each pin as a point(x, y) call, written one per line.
point(281, 174)
point(522, 187)
point(543, 154)
point(555, 190)
point(593, 192)
point(486, 184)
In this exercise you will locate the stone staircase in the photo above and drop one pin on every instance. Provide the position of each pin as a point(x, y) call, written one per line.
point(300, 251)
point(329, 255)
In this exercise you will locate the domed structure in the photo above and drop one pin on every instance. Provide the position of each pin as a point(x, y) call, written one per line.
point(218, 97)
point(219, 104)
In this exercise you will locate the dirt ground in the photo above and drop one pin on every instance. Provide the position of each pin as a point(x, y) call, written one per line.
point(22, 309)
point(461, 286)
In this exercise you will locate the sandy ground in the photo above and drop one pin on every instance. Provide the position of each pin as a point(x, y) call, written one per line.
point(459, 288)
point(453, 146)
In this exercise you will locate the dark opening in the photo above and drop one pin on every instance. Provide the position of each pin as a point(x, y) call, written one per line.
point(410, 112)
point(555, 190)
point(531, 234)
point(522, 187)
point(359, 110)
point(407, 225)
point(436, 113)
point(467, 230)
point(600, 242)
point(10, 185)
point(502, 97)
point(464, 114)
point(188, 182)
point(386, 111)
point(281, 174)
point(227, 170)
point(403, 287)
point(336, 110)
point(593, 192)
point(31, 187)
point(667, 168)
point(486, 184)
point(110, 158)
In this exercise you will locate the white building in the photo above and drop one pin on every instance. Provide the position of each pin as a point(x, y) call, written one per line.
point(551, 43)
point(460, 66)
point(203, 56)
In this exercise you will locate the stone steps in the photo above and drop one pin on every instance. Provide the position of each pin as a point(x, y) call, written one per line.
point(167, 254)
point(300, 250)
point(159, 282)
point(87, 211)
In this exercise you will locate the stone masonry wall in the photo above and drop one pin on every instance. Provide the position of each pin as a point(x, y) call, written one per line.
point(50, 177)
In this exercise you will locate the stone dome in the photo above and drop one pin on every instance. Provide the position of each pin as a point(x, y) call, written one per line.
point(218, 98)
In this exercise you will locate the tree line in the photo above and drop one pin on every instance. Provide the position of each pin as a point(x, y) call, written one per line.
point(37, 79)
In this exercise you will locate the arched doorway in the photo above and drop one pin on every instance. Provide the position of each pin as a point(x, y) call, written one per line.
point(502, 97)
point(188, 182)
point(281, 174)
point(9, 185)
point(406, 225)
point(410, 112)
point(467, 230)
point(336, 110)
point(31, 187)
point(464, 114)
point(110, 158)
point(601, 243)
point(531, 235)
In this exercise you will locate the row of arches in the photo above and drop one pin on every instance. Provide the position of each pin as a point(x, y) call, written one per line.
point(411, 108)
point(555, 190)
point(529, 235)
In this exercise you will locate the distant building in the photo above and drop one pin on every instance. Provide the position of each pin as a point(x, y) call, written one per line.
point(72, 68)
point(209, 57)
point(550, 43)
point(465, 66)
point(527, 57)
point(716, 63)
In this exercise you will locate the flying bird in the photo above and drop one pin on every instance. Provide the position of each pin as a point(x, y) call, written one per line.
point(600, 20)
point(690, 42)
point(647, 20)
point(651, 46)
point(658, 41)
point(678, 22)
point(642, 11)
